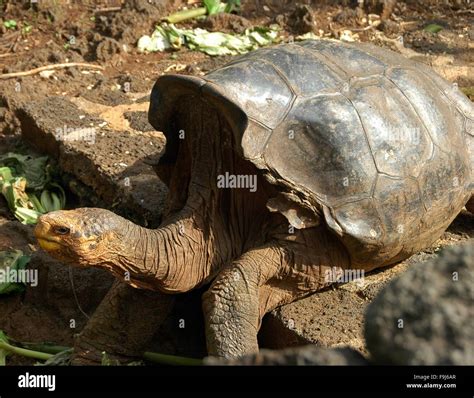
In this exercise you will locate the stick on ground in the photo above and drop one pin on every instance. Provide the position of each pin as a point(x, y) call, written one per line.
point(50, 67)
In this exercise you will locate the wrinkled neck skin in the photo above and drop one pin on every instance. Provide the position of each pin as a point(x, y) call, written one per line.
point(204, 227)
point(139, 256)
point(174, 258)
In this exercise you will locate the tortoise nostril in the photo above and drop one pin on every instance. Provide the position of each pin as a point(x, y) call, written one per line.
point(61, 230)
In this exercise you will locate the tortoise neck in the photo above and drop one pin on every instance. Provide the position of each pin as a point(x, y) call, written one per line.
point(174, 258)
point(207, 225)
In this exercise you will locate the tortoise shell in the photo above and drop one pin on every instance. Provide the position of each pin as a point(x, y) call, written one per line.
point(377, 146)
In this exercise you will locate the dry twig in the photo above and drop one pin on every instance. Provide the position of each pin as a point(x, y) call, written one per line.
point(50, 67)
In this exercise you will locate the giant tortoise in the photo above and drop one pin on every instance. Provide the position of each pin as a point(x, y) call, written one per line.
point(287, 166)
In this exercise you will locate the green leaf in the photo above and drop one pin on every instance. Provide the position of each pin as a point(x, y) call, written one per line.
point(11, 262)
point(212, 6)
point(62, 358)
point(232, 5)
point(22, 178)
point(49, 352)
point(10, 24)
point(37, 206)
point(106, 361)
point(27, 216)
point(184, 15)
point(6, 347)
point(33, 169)
point(47, 201)
point(3, 352)
point(26, 28)
point(18, 200)
point(15, 193)
point(60, 193)
point(56, 202)
point(5, 174)
point(433, 28)
point(212, 43)
point(174, 36)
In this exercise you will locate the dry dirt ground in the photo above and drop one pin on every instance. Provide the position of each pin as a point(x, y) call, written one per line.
point(32, 107)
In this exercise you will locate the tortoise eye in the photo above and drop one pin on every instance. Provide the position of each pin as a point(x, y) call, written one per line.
point(61, 230)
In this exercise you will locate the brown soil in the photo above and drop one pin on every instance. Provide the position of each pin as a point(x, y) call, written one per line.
point(72, 33)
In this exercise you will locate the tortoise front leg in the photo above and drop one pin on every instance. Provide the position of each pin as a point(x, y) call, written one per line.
point(263, 278)
point(122, 326)
point(232, 305)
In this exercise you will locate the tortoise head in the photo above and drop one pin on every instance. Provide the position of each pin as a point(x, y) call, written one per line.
point(86, 236)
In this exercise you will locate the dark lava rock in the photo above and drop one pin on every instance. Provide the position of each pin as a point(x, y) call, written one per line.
point(107, 48)
point(425, 316)
point(302, 20)
point(110, 164)
point(307, 355)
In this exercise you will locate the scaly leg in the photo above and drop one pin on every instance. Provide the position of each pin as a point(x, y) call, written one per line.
point(231, 305)
point(263, 278)
point(122, 326)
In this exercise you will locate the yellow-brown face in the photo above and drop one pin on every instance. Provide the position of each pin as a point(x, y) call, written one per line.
point(81, 236)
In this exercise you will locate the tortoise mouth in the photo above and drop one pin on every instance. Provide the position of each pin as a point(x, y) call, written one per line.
point(45, 240)
point(48, 244)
